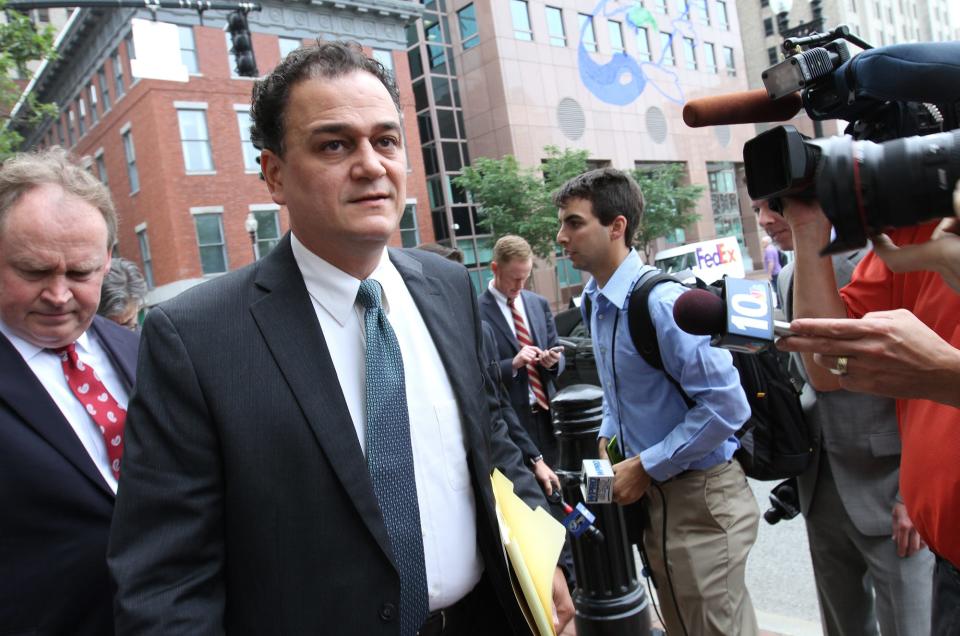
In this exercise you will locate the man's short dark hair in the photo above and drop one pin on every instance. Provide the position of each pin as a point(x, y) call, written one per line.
point(611, 192)
point(326, 60)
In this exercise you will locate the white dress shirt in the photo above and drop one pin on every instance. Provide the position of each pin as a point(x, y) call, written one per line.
point(508, 316)
point(47, 366)
point(447, 512)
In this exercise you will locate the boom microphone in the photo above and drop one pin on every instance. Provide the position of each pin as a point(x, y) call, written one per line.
point(743, 323)
point(746, 107)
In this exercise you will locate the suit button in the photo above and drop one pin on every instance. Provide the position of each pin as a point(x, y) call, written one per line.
point(388, 612)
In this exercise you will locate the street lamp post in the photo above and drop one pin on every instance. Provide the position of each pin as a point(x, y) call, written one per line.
point(250, 224)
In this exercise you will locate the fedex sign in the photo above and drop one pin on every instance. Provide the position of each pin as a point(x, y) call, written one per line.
point(716, 255)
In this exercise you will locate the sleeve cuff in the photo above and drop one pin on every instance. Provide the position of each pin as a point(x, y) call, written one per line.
point(658, 466)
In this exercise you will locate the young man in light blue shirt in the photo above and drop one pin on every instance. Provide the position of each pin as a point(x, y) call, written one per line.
point(678, 449)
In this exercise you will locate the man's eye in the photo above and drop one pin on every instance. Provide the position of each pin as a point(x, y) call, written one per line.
point(389, 142)
point(332, 145)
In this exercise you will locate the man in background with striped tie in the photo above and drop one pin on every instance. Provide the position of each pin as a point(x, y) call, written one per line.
point(530, 355)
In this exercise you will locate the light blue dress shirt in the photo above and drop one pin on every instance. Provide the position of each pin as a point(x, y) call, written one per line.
point(640, 405)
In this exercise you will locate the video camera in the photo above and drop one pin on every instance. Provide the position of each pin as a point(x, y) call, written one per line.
point(900, 159)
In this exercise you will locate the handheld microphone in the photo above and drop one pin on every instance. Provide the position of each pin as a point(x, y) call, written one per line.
point(579, 521)
point(745, 107)
point(741, 321)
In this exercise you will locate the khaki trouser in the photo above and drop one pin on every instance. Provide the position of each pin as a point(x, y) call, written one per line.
point(711, 524)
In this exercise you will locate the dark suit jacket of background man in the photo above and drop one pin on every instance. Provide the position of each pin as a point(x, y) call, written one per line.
point(246, 504)
point(55, 504)
point(544, 334)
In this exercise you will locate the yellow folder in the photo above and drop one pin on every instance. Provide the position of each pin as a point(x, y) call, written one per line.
point(532, 540)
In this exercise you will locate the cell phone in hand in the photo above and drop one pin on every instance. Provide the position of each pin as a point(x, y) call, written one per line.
point(613, 451)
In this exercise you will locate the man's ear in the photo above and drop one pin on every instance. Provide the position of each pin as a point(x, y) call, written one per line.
point(270, 167)
point(493, 267)
point(618, 228)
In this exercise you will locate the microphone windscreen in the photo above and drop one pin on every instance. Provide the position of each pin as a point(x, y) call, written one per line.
point(745, 107)
point(700, 312)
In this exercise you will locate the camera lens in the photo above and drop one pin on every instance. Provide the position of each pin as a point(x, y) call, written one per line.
point(865, 187)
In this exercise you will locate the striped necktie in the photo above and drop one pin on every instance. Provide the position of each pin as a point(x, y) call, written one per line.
point(533, 373)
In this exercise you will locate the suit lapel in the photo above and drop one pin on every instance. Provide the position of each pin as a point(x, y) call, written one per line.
point(288, 323)
point(123, 355)
point(490, 310)
point(27, 397)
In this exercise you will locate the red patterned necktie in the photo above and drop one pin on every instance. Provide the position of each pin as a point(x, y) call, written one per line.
point(533, 373)
point(93, 395)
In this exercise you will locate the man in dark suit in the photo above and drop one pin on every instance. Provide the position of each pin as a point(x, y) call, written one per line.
point(59, 455)
point(309, 446)
point(527, 345)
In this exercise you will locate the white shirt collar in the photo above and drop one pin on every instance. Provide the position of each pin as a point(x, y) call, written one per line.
point(334, 289)
point(28, 350)
point(501, 297)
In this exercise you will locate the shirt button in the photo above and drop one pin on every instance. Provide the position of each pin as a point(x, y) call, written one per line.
point(388, 612)
point(599, 316)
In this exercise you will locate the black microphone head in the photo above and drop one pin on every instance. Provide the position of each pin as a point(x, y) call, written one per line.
point(700, 312)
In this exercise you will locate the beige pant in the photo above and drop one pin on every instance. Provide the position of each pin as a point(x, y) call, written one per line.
point(711, 524)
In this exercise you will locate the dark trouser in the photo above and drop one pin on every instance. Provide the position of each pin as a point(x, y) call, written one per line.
point(539, 426)
point(946, 599)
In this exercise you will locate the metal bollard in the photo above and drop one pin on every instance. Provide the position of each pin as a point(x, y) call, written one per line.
point(609, 598)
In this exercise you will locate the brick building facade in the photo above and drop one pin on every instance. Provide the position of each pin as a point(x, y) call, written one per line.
point(176, 155)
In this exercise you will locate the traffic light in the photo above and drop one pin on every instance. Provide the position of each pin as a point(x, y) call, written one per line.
point(242, 44)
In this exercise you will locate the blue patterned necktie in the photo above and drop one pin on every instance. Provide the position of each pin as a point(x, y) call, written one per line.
point(390, 456)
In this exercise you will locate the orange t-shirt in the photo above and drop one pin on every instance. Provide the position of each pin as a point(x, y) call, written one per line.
point(929, 431)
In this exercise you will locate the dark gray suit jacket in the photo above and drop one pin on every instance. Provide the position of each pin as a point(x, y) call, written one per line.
point(56, 505)
point(246, 505)
point(859, 433)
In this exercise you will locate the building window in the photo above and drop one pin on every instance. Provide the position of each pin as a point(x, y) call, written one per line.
point(726, 205)
point(711, 57)
point(385, 58)
point(117, 73)
point(131, 52)
point(728, 61)
point(231, 58)
point(521, 20)
point(146, 257)
point(213, 251)
point(268, 231)
point(643, 44)
point(765, 3)
point(558, 35)
point(288, 46)
point(616, 36)
point(409, 230)
point(71, 123)
point(104, 88)
point(567, 275)
point(690, 53)
point(772, 55)
point(722, 21)
point(666, 49)
point(102, 169)
point(82, 116)
point(660, 5)
point(94, 115)
point(768, 26)
point(195, 140)
point(250, 153)
point(131, 156)
point(60, 139)
point(469, 34)
point(588, 36)
point(188, 49)
point(702, 14)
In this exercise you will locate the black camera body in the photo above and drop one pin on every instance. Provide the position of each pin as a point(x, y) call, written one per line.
point(900, 159)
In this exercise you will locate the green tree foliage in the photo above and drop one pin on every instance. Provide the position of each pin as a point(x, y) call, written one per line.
point(20, 42)
point(516, 200)
point(668, 204)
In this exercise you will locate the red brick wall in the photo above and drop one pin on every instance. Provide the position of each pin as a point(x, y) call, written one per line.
point(167, 193)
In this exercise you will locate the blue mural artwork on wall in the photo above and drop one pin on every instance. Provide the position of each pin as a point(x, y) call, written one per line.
point(623, 79)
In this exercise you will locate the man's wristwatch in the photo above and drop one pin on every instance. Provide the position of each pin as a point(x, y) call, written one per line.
point(533, 460)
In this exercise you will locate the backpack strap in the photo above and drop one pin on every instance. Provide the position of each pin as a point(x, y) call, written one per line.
point(642, 330)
